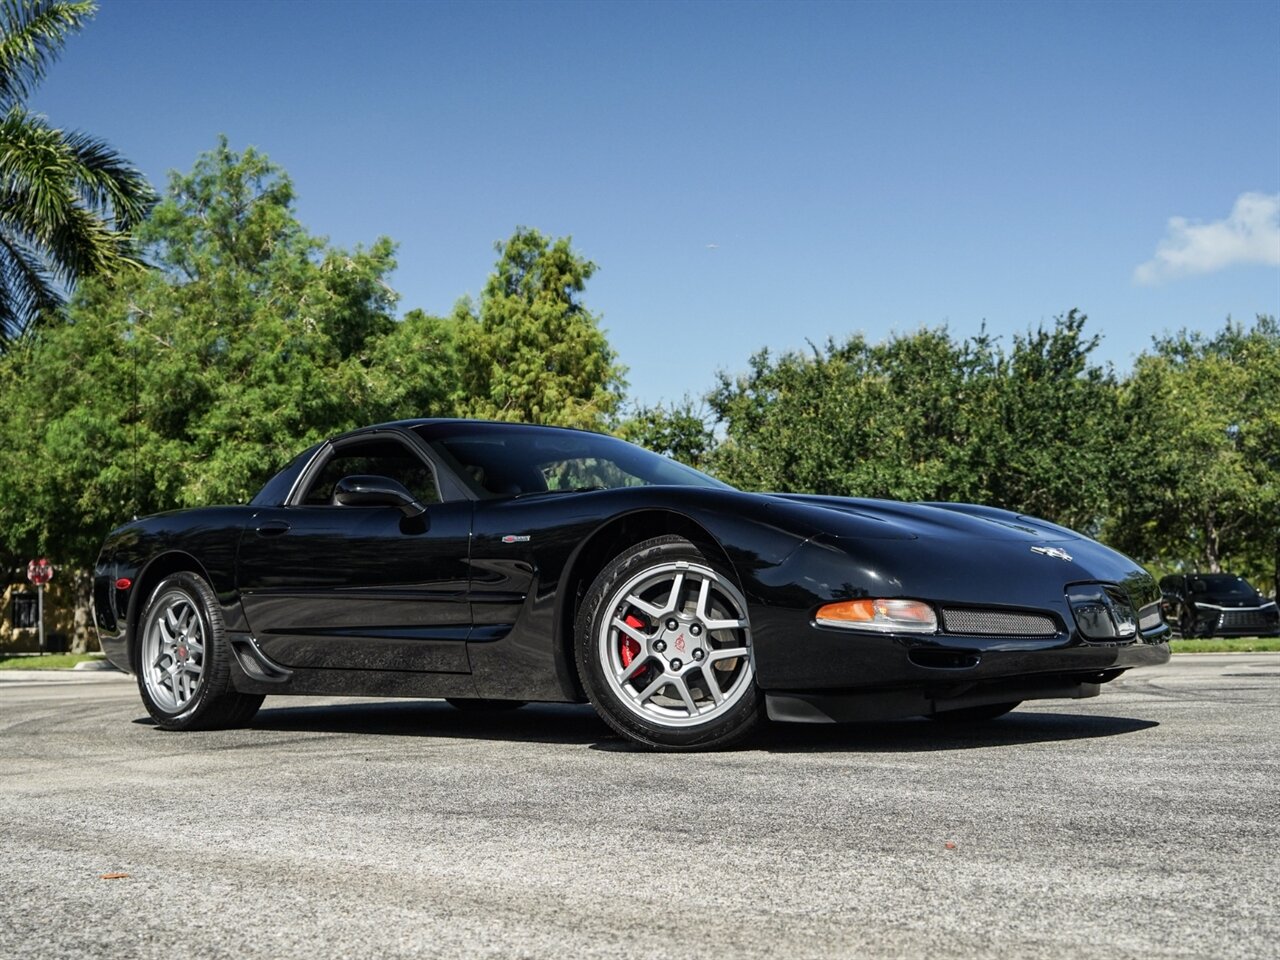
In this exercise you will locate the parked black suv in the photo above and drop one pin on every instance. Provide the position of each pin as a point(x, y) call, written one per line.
point(1217, 605)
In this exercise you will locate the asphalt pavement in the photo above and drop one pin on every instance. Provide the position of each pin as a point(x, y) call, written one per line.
point(1142, 823)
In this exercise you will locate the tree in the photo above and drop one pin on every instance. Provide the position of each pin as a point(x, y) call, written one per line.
point(67, 200)
point(851, 418)
point(679, 431)
point(1202, 474)
point(532, 351)
point(192, 383)
point(1044, 433)
point(925, 417)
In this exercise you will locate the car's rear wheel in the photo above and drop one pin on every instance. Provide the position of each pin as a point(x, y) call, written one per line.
point(664, 649)
point(987, 711)
point(183, 660)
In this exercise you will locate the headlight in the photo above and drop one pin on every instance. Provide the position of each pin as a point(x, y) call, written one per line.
point(1102, 611)
point(884, 616)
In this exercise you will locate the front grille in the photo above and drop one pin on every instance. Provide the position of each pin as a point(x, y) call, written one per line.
point(1245, 620)
point(997, 623)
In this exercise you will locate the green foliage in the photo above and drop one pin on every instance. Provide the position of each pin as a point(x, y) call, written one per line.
point(67, 200)
point(52, 661)
point(1201, 417)
point(531, 351)
point(192, 383)
point(925, 417)
point(1179, 464)
point(1227, 645)
point(414, 370)
point(679, 432)
point(1044, 433)
point(32, 33)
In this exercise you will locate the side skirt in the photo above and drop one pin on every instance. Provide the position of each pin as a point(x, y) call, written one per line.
point(252, 671)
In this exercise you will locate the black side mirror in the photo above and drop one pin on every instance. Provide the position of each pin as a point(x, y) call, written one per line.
point(367, 491)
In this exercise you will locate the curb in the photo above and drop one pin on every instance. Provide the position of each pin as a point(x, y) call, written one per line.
point(68, 675)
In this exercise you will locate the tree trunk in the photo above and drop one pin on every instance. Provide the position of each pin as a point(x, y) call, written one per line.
point(1211, 555)
point(83, 636)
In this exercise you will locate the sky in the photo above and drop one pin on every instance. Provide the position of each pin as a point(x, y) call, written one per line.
point(745, 175)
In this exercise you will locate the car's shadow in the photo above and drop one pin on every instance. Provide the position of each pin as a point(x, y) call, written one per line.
point(578, 724)
point(919, 735)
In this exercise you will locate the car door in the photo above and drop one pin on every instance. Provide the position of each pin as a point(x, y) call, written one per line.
point(360, 587)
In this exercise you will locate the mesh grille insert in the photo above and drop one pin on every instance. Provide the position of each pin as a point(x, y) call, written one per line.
point(1150, 619)
point(997, 623)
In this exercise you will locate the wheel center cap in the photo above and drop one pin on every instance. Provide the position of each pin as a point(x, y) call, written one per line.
point(182, 652)
point(681, 647)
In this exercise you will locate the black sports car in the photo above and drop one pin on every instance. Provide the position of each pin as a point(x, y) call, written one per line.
point(494, 564)
point(1217, 605)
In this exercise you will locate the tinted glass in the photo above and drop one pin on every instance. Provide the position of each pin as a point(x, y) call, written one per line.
point(381, 458)
point(496, 460)
point(1222, 586)
point(278, 487)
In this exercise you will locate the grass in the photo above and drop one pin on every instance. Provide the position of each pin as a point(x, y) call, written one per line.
point(1227, 645)
point(51, 661)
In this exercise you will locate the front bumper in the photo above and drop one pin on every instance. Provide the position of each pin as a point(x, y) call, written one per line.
point(880, 678)
point(793, 653)
point(1012, 625)
point(1073, 672)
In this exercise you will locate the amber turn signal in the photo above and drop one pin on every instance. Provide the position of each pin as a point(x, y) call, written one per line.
point(885, 616)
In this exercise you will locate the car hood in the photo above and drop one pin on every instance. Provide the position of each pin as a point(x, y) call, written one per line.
point(955, 552)
point(857, 517)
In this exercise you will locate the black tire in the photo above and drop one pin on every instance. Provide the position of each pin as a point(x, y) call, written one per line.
point(478, 705)
point(975, 714)
point(199, 648)
point(668, 719)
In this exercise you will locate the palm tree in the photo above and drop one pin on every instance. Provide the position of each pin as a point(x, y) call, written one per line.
point(67, 200)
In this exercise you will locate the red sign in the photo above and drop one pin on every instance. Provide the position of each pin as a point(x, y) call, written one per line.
point(40, 571)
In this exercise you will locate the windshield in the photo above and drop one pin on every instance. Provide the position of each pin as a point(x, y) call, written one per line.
point(1223, 586)
point(511, 460)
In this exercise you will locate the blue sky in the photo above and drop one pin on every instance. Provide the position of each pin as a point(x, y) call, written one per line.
point(745, 175)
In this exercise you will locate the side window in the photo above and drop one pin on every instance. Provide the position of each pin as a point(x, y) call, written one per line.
point(381, 457)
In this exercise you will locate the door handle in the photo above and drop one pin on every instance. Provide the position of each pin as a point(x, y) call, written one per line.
point(273, 528)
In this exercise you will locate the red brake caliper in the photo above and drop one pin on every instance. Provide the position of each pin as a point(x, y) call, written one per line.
point(629, 647)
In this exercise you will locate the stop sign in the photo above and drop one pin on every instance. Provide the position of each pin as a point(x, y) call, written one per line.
point(40, 571)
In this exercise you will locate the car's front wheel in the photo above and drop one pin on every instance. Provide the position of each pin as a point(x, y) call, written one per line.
point(183, 660)
point(664, 648)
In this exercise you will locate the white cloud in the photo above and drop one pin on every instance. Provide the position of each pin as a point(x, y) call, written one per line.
point(1251, 234)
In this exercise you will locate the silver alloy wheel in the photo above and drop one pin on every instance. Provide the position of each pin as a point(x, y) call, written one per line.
point(675, 645)
point(173, 644)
